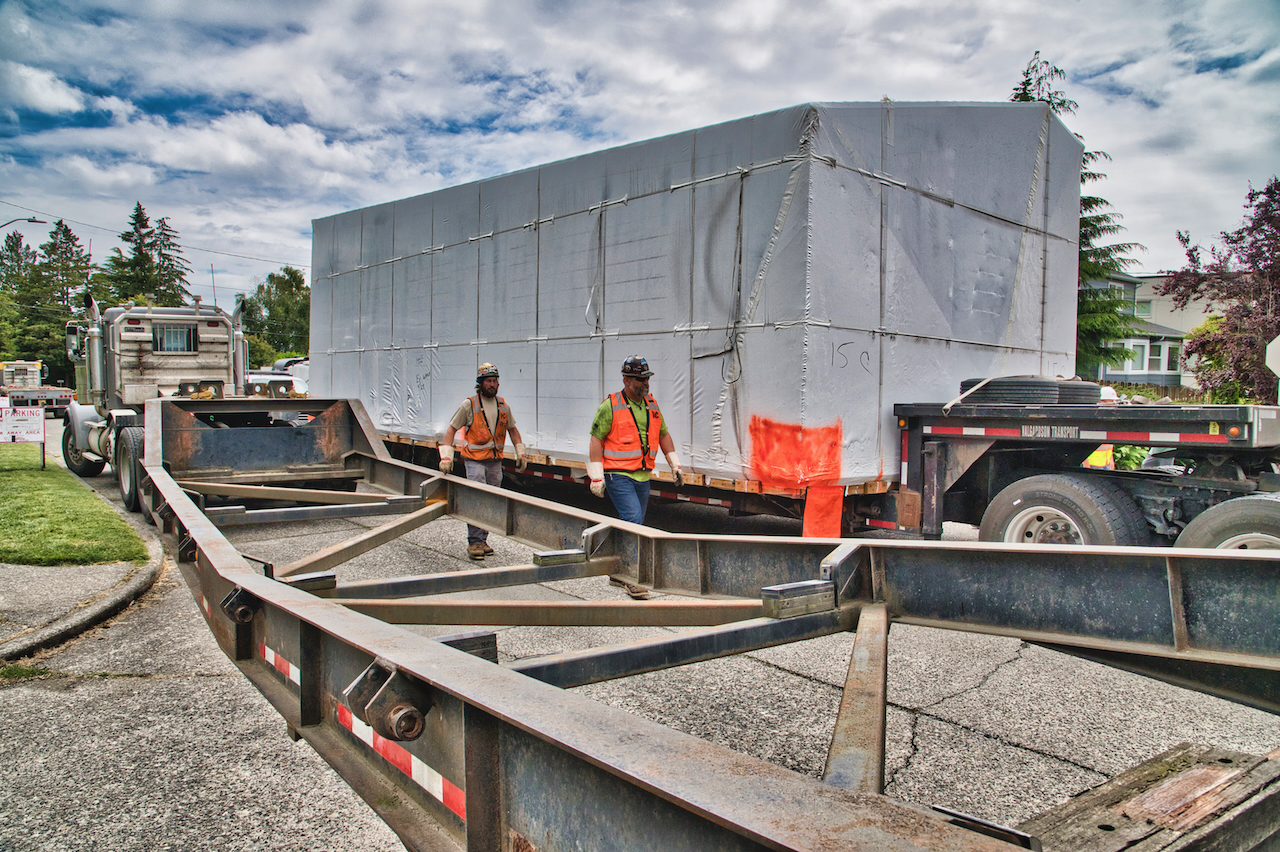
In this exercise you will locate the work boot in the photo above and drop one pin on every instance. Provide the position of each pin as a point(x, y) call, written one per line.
point(475, 550)
point(487, 549)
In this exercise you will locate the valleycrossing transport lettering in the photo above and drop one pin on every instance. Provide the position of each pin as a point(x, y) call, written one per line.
point(1047, 431)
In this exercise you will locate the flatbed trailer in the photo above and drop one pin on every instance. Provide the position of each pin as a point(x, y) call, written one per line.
point(959, 460)
point(454, 750)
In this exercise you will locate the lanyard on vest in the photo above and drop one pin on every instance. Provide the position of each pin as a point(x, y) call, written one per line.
point(644, 442)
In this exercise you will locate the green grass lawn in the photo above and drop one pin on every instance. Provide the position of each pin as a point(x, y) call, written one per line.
point(47, 517)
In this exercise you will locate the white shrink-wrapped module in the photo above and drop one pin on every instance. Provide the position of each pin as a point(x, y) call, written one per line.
point(789, 277)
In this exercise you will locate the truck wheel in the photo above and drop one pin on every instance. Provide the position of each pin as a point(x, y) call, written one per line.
point(129, 466)
point(74, 459)
point(1245, 523)
point(1064, 509)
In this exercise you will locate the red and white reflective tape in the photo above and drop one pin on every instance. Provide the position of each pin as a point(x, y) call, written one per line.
point(1040, 432)
point(204, 605)
point(444, 790)
point(884, 525)
point(280, 664)
point(688, 498)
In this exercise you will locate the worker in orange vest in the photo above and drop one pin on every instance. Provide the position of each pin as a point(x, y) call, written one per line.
point(483, 421)
point(621, 452)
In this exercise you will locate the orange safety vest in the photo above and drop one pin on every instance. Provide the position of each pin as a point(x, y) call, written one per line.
point(622, 447)
point(482, 443)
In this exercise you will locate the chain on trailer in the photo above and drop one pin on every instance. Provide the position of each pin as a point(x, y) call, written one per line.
point(454, 750)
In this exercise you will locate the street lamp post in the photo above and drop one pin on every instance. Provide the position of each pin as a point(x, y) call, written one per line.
point(32, 219)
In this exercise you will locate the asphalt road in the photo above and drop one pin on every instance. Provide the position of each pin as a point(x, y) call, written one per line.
point(148, 738)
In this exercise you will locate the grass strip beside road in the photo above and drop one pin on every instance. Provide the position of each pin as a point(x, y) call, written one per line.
point(48, 518)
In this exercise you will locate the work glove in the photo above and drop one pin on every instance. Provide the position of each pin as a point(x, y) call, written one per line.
point(676, 472)
point(521, 461)
point(446, 458)
point(595, 471)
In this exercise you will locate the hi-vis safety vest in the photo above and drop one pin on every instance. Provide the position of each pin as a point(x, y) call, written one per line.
point(482, 442)
point(622, 447)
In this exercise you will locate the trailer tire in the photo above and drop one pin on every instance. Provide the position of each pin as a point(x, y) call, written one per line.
point(1010, 390)
point(1064, 509)
point(74, 459)
point(1245, 523)
point(129, 466)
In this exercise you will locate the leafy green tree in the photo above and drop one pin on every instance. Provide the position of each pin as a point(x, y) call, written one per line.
point(1242, 277)
point(261, 355)
point(1102, 315)
point(17, 261)
point(279, 311)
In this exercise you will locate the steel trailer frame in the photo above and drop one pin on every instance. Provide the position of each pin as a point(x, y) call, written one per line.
point(453, 750)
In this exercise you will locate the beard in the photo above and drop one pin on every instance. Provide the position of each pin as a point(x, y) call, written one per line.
point(488, 392)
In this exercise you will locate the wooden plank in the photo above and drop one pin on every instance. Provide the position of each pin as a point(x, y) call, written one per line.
point(1223, 800)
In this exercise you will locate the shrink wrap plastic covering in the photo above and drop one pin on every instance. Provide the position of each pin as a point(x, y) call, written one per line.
point(789, 277)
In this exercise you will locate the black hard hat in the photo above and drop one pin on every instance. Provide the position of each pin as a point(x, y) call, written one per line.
point(636, 367)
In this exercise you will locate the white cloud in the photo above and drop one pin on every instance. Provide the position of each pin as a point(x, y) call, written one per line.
point(36, 89)
point(244, 128)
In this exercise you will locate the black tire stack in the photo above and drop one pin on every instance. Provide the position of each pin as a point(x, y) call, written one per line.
point(1030, 390)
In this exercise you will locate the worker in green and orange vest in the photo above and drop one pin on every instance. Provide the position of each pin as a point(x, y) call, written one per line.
point(621, 453)
point(483, 421)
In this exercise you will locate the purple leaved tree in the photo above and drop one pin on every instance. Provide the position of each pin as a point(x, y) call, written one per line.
point(1240, 279)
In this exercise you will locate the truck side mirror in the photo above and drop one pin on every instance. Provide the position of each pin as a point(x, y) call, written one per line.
point(44, 372)
point(75, 335)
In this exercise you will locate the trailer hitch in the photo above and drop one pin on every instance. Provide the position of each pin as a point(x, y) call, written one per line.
point(389, 701)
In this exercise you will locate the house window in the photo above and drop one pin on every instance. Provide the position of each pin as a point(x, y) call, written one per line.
point(174, 338)
point(1154, 359)
point(1142, 308)
point(1171, 351)
point(1139, 358)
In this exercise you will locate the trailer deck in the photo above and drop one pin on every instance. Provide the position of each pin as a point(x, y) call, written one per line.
point(455, 750)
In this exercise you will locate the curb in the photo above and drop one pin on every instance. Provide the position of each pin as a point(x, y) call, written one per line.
point(99, 609)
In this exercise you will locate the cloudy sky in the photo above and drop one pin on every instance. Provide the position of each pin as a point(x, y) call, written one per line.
point(241, 121)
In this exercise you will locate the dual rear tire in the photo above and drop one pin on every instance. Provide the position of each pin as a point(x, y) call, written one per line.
point(1065, 508)
point(1085, 510)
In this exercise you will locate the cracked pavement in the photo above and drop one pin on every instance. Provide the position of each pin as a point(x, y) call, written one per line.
point(176, 750)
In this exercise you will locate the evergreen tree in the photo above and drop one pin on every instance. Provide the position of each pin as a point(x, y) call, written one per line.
point(67, 267)
point(133, 276)
point(1242, 276)
point(279, 311)
point(1102, 315)
point(42, 321)
point(17, 261)
point(171, 267)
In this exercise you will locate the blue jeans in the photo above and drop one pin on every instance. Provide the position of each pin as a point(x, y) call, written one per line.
point(489, 472)
point(629, 497)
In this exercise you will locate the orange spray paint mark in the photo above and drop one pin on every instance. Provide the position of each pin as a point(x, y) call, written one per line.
point(787, 455)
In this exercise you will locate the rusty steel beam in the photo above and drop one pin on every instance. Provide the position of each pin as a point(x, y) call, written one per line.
point(663, 613)
point(467, 581)
point(265, 492)
point(855, 759)
point(344, 551)
point(593, 665)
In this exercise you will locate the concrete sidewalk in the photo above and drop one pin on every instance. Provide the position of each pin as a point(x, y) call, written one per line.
point(43, 606)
